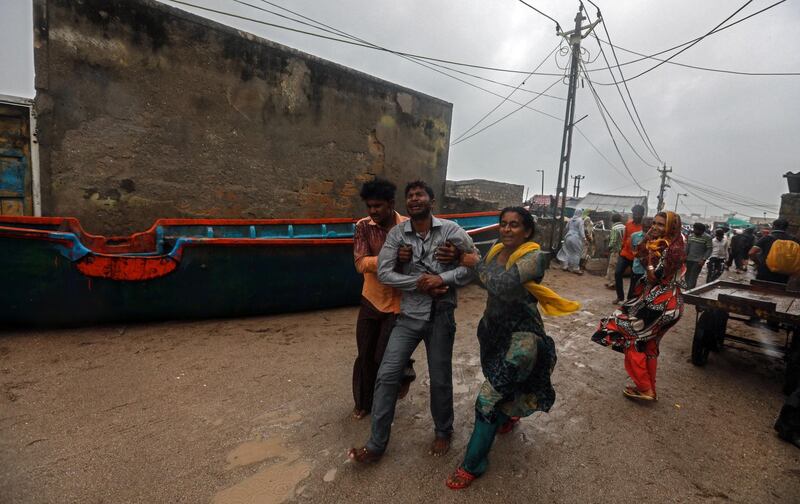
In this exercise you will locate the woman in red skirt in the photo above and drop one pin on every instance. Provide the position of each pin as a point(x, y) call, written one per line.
point(636, 327)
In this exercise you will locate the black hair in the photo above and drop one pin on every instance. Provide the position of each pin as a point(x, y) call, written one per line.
point(379, 189)
point(699, 227)
point(638, 208)
point(616, 218)
point(528, 221)
point(780, 224)
point(419, 183)
point(719, 231)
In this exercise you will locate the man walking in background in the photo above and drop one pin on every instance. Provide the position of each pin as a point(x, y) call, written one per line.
point(698, 250)
point(626, 254)
point(719, 255)
point(614, 248)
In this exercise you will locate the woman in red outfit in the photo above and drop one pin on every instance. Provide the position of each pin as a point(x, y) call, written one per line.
point(636, 327)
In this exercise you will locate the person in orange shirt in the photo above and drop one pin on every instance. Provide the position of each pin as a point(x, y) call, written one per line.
point(379, 304)
point(626, 255)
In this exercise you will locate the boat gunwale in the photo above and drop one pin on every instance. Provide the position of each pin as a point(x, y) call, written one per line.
point(141, 243)
point(71, 240)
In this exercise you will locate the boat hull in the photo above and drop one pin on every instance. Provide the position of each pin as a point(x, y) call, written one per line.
point(51, 277)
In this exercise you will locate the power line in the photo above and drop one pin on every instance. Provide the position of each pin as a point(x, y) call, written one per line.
point(612, 165)
point(629, 185)
point(716, 205)
point(355, 43)
point(723, 191)
point(366, 44)
point(465, 138)
point(608, 128)
point(411, 55)
point(731, 200)
point(472, 65)
point(695, 42)
point(645, 137)
point(731, 197)
point(653, 56)
point(602, 105)
point(459, 137)
point(335, 31)
point(558, 27)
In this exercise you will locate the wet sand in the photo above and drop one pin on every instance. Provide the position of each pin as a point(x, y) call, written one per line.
point(258, 410)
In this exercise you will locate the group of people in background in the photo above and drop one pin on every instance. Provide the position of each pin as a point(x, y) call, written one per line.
point(413, 266)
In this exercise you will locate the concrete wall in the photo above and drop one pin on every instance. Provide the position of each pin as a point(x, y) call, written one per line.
point(501, 193)
point(146, 111)
point(790, 210)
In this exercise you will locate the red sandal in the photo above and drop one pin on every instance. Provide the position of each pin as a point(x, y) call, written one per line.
point(460, 479)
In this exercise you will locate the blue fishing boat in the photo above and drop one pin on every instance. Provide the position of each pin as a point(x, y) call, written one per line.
point(54, 273)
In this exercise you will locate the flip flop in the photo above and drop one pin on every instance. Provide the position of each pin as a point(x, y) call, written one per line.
point(633, 393)
point(460, 479)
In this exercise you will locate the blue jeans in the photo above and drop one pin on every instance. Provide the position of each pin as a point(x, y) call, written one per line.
point(438, 335)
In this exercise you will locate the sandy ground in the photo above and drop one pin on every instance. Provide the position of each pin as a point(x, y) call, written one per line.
point(257, 410)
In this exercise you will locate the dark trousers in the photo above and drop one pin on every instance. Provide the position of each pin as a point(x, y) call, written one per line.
point(372, 334)
point(632, 287)
point(622, 264)
point(692, 272)
point(438, 335)
point(715, 267)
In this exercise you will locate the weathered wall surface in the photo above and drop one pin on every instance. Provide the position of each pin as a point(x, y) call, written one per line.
point(146, 111)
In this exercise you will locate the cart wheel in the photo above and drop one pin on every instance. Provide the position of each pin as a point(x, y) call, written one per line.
point(792, 378)
point(720, 328)
point(703, 339)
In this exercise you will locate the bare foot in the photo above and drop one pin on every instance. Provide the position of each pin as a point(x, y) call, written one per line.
point(358, 414)
point(363, 456)
point(440, 446)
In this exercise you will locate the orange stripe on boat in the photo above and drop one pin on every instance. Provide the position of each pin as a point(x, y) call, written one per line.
point(126, 268)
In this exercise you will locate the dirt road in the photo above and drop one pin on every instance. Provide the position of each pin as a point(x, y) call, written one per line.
point(257, 410)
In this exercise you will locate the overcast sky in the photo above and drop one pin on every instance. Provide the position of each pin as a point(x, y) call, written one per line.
point(737, 133)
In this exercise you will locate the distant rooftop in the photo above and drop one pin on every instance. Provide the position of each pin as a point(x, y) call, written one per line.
point(611, 202)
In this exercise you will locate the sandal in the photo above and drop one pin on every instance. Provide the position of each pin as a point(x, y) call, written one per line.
point(460, 479)
point(363, 455)
point(634, 393)
point(508, 426)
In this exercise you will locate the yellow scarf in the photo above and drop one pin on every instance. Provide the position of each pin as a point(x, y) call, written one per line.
point(550, 302)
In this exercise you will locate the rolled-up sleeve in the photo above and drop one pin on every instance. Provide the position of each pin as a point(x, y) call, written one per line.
point(387, 260)
point(365, 263)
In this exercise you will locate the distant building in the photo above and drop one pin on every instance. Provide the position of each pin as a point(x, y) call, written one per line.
point(761, 220)
point(500, 193)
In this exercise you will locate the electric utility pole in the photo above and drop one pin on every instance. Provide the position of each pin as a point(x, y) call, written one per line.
point(576, 185)
point(574, 38)
point(663, 171)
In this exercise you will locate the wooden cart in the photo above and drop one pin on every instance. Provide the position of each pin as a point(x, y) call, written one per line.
point(721, 301)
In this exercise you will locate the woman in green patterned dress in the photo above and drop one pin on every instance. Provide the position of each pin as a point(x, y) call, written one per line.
point(517, 357)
